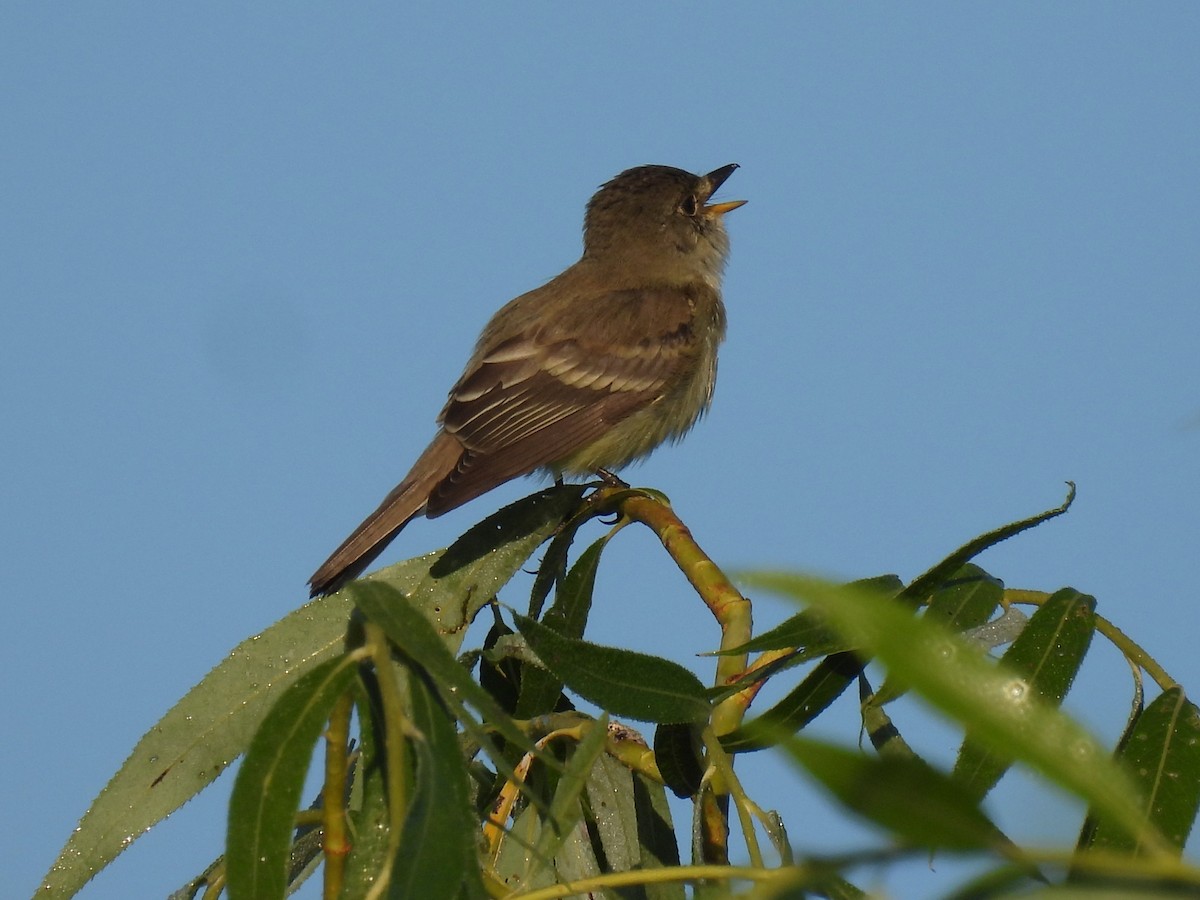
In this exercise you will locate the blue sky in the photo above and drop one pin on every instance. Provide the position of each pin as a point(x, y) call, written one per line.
point(246, 252)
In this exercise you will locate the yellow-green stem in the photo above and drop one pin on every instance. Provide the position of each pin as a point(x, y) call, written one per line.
point(723, 763)
point(334, 842)
point(585, 886)
point(728, 606)
point(1119, 639)
point(733, 614)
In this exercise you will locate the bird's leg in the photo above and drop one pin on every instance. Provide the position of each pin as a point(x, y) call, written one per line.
point(610, 479)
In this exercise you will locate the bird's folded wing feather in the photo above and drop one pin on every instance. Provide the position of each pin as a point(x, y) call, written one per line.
point(533, 399)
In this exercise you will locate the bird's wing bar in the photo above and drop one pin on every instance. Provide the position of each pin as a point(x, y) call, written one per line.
point(532, 400)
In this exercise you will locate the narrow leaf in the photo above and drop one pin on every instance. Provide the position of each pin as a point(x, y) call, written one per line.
point(612, 813)
point(824, 684)
point(573, 601)
point(966, 600)
point(930, 581)
point(1163, 753)
point(901, 793)
point(212, 725)
point(576, 858)
point(438, 843)
point(368, 807)
point(999, 708)
point(414, 634)
point(656, 832)
point(1046, 656)
point(628, 814)
point(266, 794)
point(202, 734)
point(643, 687)
point(500, 670)
point(465, 576)
point(553, 566)
point(1051, 648)
point(513, 855)
point(565, 808)
point(807, 631)
point(540, 689)
point(679, 754)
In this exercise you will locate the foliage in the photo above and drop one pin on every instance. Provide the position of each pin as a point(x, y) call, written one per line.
point(472, 775)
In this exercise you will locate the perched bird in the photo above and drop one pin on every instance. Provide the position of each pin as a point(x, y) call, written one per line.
point(589, 372)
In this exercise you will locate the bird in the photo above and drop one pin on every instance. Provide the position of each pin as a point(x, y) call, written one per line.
point(585, 374)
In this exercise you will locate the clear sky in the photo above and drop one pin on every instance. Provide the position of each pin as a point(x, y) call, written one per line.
point(245, 249)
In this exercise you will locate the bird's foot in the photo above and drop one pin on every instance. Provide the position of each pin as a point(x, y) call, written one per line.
point(610, 479)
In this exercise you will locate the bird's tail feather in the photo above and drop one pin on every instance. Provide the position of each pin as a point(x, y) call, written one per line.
point(404, 503)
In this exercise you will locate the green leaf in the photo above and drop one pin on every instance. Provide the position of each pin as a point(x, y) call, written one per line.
point(569, 614)
point(198, 738)
point(679, 753)
point(806, 630)
point(624, 683)
point(414, 634)
point(553, 566)
point(1047, 656)
point(629, 817)
point(901, 793)
point(656, 832)
point(1163, 753)
point(500, 669)
point(824, 684)
point(576, 858)
point(513, 855)
point(540, 689)
point(565, 808)
point(437, 847)
point(966, 600)
point(367, 808)
point(465, 576)
point(922, 586)
point(1000, 709)
point(266, 794)
point(612, 812)
point(215, 721)
point(1051, 648)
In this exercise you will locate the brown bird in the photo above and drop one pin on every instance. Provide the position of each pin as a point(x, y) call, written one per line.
point(589, 372)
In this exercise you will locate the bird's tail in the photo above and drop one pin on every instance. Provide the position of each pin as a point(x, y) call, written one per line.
point(404, 503)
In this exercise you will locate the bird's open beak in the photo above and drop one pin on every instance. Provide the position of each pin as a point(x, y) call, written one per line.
point(719, 209)
point(716, 178)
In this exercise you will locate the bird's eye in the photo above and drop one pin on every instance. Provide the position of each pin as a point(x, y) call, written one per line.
point(690, 205)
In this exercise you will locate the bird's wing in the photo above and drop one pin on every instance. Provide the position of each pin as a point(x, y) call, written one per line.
point(532, 400)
